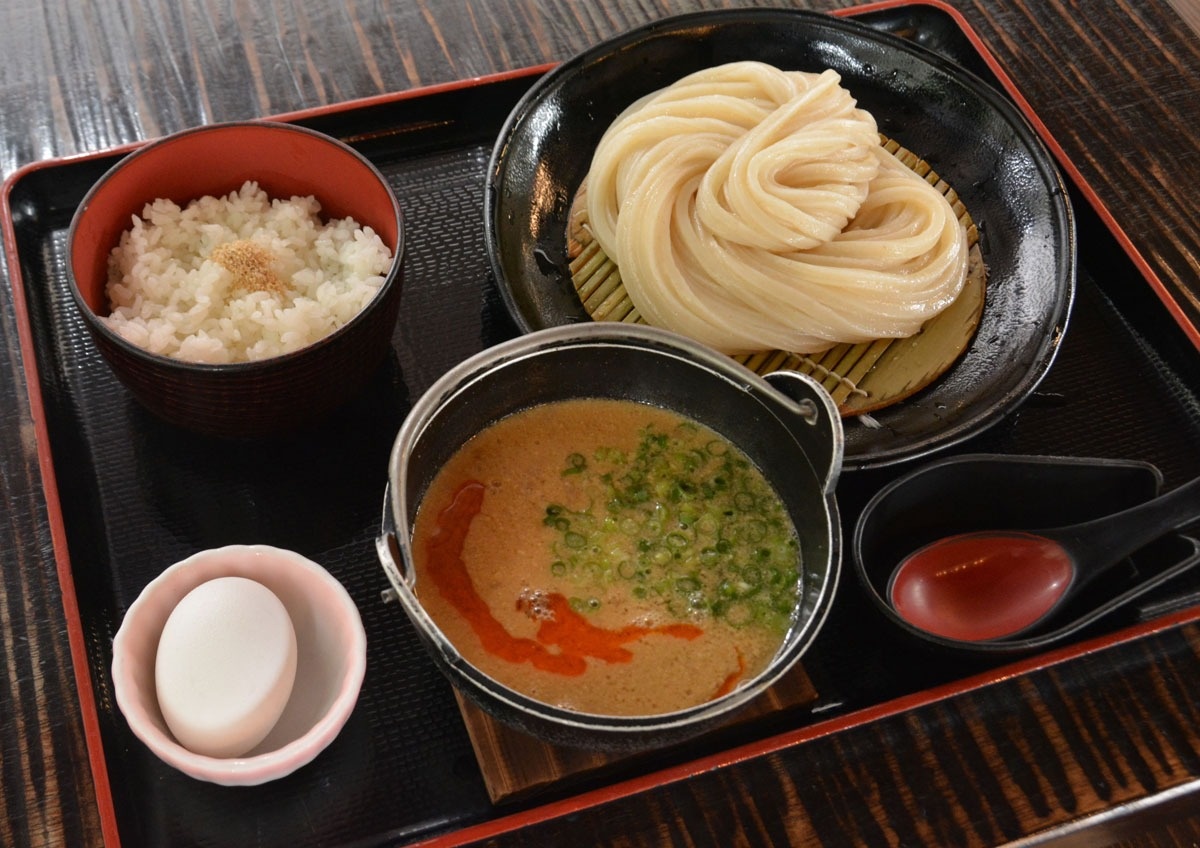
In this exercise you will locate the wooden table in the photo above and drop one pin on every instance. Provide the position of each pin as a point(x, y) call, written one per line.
point(1101, 749)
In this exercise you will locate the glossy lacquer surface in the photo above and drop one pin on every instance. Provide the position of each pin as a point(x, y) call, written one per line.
point(1084, 747)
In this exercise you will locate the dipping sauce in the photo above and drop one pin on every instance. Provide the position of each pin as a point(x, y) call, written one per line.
point(608, 557)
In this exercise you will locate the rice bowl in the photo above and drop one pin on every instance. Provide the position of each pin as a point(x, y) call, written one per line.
point(224, 391)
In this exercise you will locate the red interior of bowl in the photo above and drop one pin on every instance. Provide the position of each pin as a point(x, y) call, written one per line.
point(284, 160)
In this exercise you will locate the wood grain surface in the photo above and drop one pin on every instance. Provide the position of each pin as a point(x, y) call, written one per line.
point(1103, 749)
point(516, 766)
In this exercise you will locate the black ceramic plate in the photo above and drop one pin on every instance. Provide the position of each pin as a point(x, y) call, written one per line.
point(970, 134)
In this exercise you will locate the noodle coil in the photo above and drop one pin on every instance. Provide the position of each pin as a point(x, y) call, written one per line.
point(752, 209)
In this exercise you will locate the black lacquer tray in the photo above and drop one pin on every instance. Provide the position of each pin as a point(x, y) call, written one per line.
point(129, 495)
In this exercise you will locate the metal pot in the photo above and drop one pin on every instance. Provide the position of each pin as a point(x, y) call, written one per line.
point(786, 424)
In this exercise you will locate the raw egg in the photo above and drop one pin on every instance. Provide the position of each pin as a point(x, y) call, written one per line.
point(225, 666)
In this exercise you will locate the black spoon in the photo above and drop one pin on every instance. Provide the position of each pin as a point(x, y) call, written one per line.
point(995, 584)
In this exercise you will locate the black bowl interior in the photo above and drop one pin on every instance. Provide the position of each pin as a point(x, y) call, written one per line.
point(970, 134)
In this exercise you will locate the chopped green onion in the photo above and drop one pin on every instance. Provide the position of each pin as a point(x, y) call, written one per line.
point(575, 464)
point(687, 519)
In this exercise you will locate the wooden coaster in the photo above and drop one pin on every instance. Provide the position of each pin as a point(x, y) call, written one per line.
point(515, 765)
point(862, 377)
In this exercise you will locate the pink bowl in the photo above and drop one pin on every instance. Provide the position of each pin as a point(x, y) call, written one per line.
point(331, 661)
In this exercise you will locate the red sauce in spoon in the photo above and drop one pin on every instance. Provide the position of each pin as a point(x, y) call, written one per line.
point(571, 636)
point(979, 586)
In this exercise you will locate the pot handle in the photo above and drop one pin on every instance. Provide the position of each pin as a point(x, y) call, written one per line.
point(388, 550)
point(814, 421)
point(394, 565)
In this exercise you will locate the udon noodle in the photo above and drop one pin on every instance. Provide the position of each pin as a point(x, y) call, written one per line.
point(752, 208)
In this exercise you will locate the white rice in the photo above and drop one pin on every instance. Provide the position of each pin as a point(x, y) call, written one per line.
point(170, 297)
